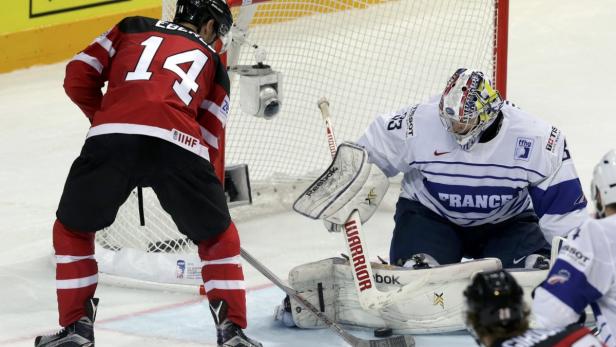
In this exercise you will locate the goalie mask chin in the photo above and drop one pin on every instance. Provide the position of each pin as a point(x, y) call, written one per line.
point(349, 183)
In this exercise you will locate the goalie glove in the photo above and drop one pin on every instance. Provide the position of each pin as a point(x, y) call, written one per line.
point(349, 183)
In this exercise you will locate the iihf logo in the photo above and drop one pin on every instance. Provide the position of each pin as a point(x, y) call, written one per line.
point(180, 268)
point(523, 148)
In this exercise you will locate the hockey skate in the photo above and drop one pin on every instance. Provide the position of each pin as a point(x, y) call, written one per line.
point(77, 334)
point(227, 332)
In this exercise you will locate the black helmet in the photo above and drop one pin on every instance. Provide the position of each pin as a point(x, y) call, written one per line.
point(495, 299)
point(197, 12)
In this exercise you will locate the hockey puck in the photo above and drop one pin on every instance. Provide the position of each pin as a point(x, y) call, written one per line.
point(382, 332)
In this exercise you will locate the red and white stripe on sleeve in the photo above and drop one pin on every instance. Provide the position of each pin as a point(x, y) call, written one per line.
point(87, 72)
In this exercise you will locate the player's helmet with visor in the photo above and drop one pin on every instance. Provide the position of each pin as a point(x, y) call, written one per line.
point(469, 105)
point(494, 300)
point(198, 12)
point(603, 184)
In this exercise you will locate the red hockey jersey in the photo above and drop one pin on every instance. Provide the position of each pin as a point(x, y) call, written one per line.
point(163, 81)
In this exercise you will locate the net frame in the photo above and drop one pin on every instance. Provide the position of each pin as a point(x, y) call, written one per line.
point(342, 49)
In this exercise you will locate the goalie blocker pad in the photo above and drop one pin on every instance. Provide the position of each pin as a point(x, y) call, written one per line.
point(349, 183)
point(436, 306)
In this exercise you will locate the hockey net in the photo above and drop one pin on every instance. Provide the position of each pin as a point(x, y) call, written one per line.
point(366, 56)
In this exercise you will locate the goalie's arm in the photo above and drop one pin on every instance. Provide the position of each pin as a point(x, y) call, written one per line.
point(386, 138)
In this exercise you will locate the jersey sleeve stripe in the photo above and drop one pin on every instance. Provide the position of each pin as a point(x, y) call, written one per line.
point(209, 138)
point(90, 60)
point(216, 110)
point(107, 45)
point(570, 286)
point(561, 198)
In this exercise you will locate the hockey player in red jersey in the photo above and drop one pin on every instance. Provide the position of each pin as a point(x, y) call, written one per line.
point(159, 125)
point(497, 317)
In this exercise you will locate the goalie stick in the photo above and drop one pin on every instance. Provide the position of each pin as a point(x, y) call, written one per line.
point(369, 297)
point(394, 341)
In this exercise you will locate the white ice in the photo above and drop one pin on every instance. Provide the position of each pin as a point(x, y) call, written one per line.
point(561, 66)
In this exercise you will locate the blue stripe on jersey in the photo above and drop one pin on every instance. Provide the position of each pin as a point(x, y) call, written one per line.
point(476, 164)
point(473, 176)
point(465, 199)
point(517, 206)
point(561, 198)
point(570, 286)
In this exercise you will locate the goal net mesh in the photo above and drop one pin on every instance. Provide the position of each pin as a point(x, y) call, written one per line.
point(366, 56)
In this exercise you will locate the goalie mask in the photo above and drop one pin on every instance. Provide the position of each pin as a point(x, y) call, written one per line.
point(603, 184)
point(468, 106)
point(494, 300)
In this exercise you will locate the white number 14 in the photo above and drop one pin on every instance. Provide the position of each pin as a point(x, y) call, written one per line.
point(187, 79)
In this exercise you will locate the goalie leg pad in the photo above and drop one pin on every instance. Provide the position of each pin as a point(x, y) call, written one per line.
point(436, 306)
point(315, 283)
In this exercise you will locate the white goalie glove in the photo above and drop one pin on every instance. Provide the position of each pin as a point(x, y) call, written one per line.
point(349, 183)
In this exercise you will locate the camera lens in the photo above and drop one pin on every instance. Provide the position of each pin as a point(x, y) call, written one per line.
point(270, 102)
point(272, 107)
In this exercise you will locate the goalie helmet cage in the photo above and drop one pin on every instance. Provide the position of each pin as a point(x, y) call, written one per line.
point(366, 56)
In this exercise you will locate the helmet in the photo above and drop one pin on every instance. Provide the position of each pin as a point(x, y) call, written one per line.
point(197, 12)
point(603, 184)
point(494, 299)
point(468, 106)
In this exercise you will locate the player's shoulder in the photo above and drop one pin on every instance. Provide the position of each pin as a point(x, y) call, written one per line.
point(525, 123)
point(136, 24)
point(593, 227)
point(548, 138)
point(426, 116)
point(412, 123)
point(591, 240)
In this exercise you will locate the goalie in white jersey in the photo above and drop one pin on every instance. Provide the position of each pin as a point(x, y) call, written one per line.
point(482, 178)
point(585, 271)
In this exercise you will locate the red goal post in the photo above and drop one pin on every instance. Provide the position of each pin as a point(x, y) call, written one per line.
point(367, 57)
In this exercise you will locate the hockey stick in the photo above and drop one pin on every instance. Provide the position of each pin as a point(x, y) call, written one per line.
point(394, 341)
point(370, 298)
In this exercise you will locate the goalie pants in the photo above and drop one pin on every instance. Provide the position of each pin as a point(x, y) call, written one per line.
point(108, 168)
point(419, 230)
